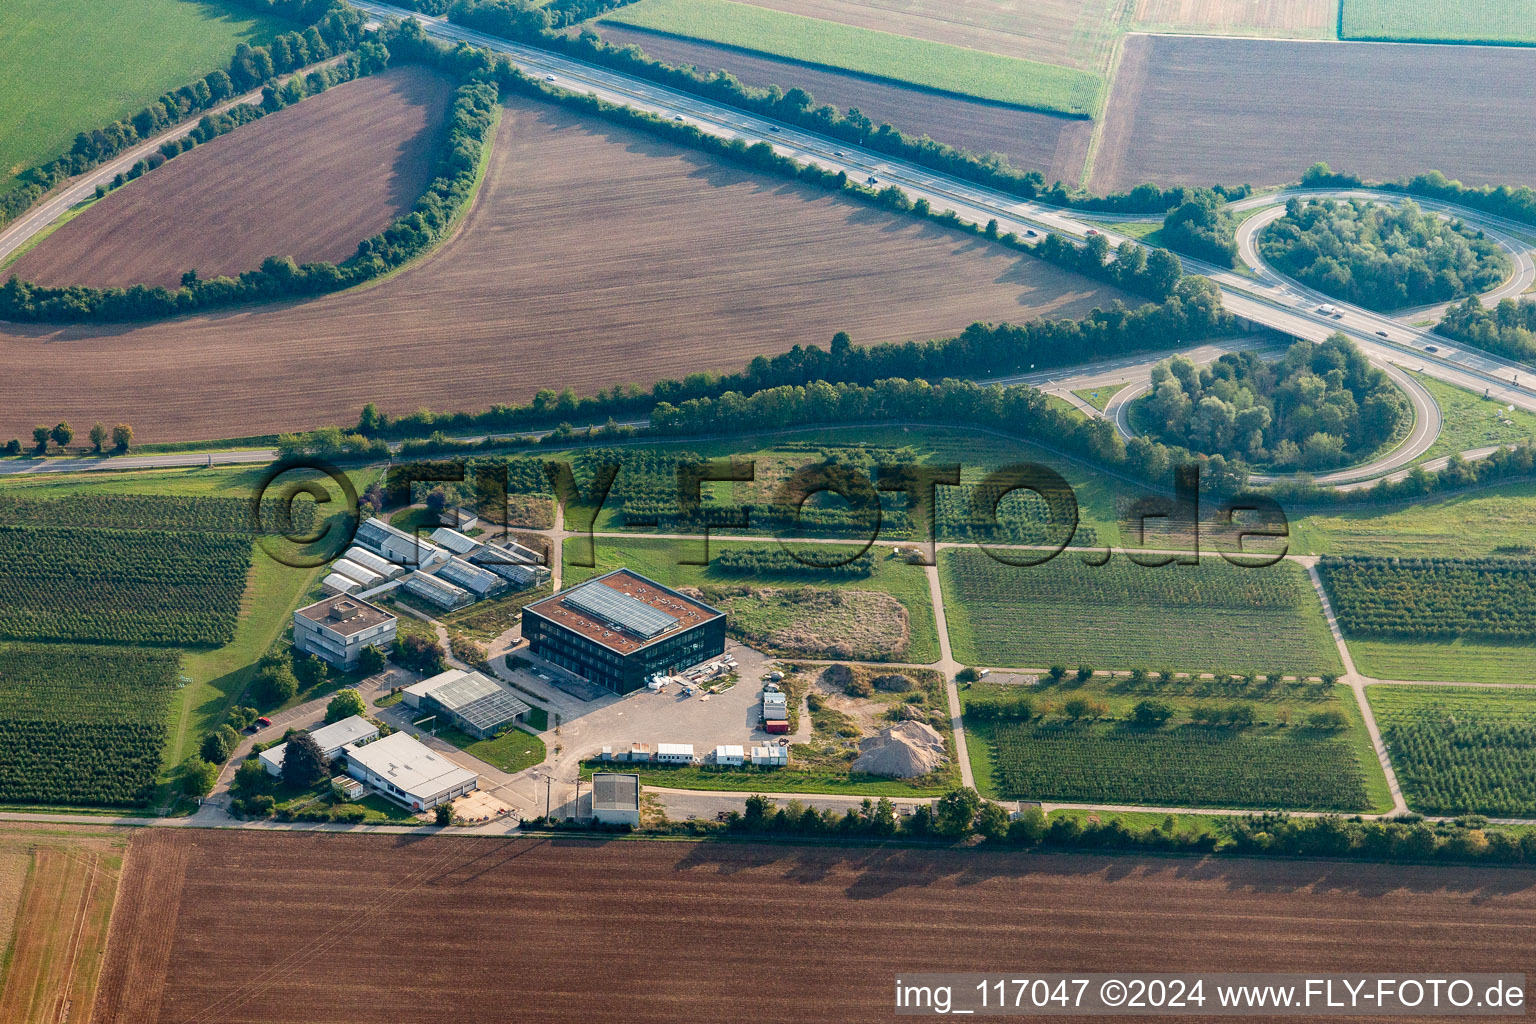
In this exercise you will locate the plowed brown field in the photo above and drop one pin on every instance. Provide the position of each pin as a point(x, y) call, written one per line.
point(303, 927)
point(310, 181)
point(1054, 146)
point(594, 256)
point(1196, 110)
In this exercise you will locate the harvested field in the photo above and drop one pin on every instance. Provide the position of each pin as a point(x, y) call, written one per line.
point(536, 921)
point(1077, 33)
point(1285, 19)
point(1056, 146)
point(594, 256)
point(62, 908)
point(310, 181)
point(1195, 111)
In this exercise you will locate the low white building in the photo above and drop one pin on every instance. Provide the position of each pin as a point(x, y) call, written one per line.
point(353, 571)
point(406, 771)
point(372, 562)
point(336, 583)
point(396, 545)
point(773, 756)
point(674, 753)
point(330, 738)
point(454, 541)
point(729, 753)
point(338, 628)
point(616, 798)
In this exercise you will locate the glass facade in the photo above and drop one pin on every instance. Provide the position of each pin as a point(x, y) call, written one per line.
point(622, 673)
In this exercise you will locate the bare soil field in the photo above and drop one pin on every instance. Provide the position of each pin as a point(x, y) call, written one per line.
point(594, 256)
point(1056, 146)
point(56, 897)
point(1077, 33)
point(310, 181)
point(277, 927)
point(1188, 110)
point(1287, 19)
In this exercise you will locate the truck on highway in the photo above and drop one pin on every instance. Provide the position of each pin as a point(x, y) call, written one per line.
point(1327, 310)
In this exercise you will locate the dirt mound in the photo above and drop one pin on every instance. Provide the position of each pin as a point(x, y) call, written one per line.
point(905, 751)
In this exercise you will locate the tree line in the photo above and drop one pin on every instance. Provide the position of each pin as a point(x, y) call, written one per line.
point(62, 434)
point(1380, 256)
point(1312, 409)
point(526, 22)
point(471, 115)
point(1201, 227)
point(1508, 329)
point(1517, 203)
point(332, 27)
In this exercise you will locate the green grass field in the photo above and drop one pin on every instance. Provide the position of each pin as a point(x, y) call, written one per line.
point(512, 751)
point(1460, 750)
point(1445, 661)
point(1472, 421)
point(1480, 523)
point(1212, 617)
point(1488, 21)
point(927, 64)
point(1278, 762)
point(1099, 397)
point(68, 66)
point(822, 778)
point(659, 559)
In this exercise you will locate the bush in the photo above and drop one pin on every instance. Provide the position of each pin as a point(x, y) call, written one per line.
point(370, 661)
point(219, 744)
point(198, 777)
point(1151, 713)
point(275, 684)
point(442, 814)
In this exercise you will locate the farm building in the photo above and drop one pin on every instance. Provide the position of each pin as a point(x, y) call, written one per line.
point(470, 701)
point(471, 578)
point(771, 756)
point(729, 753)
point(674, 753)
point(520, 575)
point(397, 546)
point(616, 798)
point(454, 541)
point(620, 630)
point(330, 738)
point(338, 628)
point(338, 584)
point(407, 772)
point(372, 562)
point(437, 591)
point(352, 571)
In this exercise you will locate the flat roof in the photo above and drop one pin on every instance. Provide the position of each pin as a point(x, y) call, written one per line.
point(414, 769)
point(345, 616)
point(615, 791)
point(618, 609)
point(477, 699)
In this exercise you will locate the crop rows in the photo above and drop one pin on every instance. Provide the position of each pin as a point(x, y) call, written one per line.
point(1185, 766)
point(1462, 750)
point(1209, 617)
point(1419, 598)
point(1022, 517)
point(149, 587)
point(145, 512)
point(81, 725)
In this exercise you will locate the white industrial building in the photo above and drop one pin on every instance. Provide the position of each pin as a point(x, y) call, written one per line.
point(437, 591)
point(729, 753)
point(616, 798)
point(471, 578)
point(470, 701)
point(454, 541)
point(330, 738)
point(338, 628)
point(350, 569)
point(396, 545)
point(373, 563)
point(772, 755)
point(407, 772)
point(674, 753)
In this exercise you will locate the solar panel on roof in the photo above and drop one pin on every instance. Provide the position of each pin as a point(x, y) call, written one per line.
point(620, 609)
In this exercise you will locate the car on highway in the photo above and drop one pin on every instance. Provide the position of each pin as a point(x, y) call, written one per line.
point(1029, 232)
point(1338, 316)
point(1431, 348)
point(549, 78)
point(677, 117)
point(1092, 232)
point(1381, 334)
point(871, 180)
point(773, 127)
point(837, 152)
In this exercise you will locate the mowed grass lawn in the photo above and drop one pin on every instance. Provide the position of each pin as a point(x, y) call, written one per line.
point(1498, 520)
point(68, 66)
point(1445, 661)
point(1279, 761)
point(931, 65)
point(1461, 750)
point(661, 560)
point(1472, 421)
point(1487, 21)
point(1212, 617)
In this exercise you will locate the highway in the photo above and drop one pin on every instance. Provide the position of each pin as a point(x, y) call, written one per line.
point(1276, 303)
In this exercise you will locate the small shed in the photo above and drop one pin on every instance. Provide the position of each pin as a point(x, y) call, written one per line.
point(728, 753)
point(616, 798)
point(674, 753)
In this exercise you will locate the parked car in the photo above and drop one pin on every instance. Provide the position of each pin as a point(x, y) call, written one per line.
point(263, 722)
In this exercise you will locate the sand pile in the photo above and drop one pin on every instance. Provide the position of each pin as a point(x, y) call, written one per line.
point(904, 751)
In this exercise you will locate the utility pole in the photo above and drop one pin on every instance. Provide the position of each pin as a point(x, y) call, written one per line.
point(547, 780)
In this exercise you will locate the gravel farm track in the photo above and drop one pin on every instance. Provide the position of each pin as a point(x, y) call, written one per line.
point(571, 270)
point(1056, 145)
point(1192, 111)
point(309, 181)
point(285, 928)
